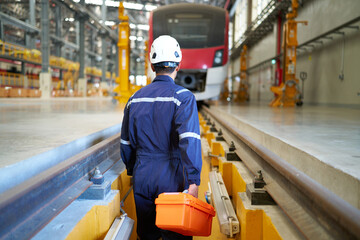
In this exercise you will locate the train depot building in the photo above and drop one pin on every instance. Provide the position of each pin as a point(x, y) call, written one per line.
point(277, 89)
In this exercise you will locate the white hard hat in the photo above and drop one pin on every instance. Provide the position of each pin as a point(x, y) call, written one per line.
point(165, 49)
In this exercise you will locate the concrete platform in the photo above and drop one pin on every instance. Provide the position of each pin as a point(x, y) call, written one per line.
point(36, 133)
point(323, 142)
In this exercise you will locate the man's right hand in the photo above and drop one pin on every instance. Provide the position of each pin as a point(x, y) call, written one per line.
point(194, 190)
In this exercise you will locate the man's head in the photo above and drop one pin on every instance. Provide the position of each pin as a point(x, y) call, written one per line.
point(165, 55)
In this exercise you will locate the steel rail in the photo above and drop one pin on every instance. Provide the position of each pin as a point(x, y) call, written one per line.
point(28, 207)
point(335, 217)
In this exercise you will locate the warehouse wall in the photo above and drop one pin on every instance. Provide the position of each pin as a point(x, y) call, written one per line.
point(322, 63)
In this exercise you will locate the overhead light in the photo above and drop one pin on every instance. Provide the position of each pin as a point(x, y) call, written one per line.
point(139, 26)
point(139, 39)
point(111, 3)
point(135, 6)
point(143, 27)
point(69, 19)
point(110, 23)
point(150, 7)
point(132, 38)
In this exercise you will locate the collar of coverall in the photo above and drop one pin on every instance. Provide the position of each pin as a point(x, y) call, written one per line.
point(165, 78)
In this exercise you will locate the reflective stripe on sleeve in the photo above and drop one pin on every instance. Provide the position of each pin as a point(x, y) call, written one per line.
point(182, 90)
point(125, 142)
point(189, 134)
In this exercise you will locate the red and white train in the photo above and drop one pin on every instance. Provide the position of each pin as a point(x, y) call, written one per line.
point(202, 32)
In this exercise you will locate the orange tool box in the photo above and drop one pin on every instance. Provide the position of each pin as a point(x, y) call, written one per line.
point(184, 214)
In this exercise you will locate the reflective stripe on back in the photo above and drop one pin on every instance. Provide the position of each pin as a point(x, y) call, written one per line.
point(156, 99)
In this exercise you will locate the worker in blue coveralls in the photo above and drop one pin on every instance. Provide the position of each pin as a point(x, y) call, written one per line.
point(160, 139)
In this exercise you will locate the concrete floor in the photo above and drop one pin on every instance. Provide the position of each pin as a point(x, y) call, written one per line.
point(37, 134)
point(323, 142)
point(32, 126)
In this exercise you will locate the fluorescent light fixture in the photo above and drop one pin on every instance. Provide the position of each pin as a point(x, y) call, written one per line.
point(140, 39)
point(143, 27)
point(139, 26)
point(109, 23)
point(69, 19)
point(132, 38)
point(135, 6)
point(111, 3)
point(141, 80)
point(150, 7)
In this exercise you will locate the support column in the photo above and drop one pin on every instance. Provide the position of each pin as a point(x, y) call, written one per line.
point(77, 30)
point(82, 84)
point(103, 44)
point(32, 19)
point(58, 30)
point(23, 72)
point(45, 75)
point(1, 28)
point(117, 61)
point(92, 48)
point(135, 59)
point(103, 58)
point(111, 66)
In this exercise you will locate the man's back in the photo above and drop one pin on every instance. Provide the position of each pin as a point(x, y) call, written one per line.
point(160, 138)
point(152, 122)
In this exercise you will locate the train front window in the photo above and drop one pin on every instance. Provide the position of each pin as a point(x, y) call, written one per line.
point(190, 29)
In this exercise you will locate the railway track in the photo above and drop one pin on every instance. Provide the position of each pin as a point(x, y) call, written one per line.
point(314, 210)
point(28, 207)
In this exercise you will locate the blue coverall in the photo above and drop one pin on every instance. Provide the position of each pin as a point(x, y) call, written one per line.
point(161, 148)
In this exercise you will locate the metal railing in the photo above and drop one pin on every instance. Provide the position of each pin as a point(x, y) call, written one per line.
point(11, 79)
point(18, 52)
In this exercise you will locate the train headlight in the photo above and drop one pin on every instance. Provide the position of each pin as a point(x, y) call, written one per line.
point(218, 59)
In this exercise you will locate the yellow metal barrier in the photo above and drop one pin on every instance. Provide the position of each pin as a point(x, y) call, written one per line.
point(11, 79)
point(33, 81)
point(8, 49)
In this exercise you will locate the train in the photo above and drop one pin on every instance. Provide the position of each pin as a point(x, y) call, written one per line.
point(202, 32)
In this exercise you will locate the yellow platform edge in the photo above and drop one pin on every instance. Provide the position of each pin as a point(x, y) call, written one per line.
point(255, 224)
point(96, 223)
